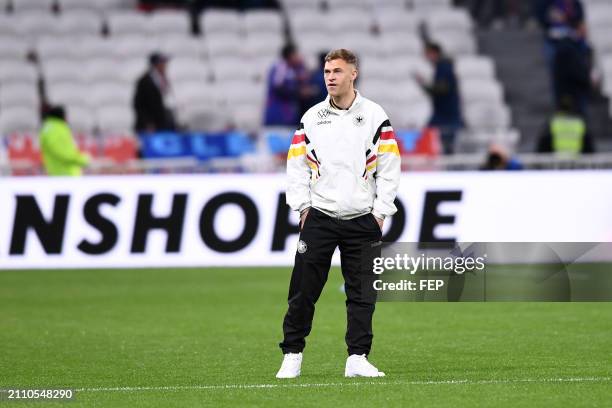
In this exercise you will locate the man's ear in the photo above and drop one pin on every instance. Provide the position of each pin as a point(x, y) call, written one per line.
point(354, 74)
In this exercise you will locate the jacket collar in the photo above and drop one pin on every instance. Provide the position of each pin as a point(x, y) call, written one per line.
point(356, 103)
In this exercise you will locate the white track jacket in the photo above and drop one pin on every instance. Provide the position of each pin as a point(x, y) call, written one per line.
point(345, 163)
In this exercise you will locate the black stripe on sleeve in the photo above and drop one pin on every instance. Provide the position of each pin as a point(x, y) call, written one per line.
point(379, 131)
point(306, 139)
point(301, 126)
point(315, 155)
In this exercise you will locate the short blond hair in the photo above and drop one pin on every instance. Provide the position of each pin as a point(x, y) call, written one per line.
point(342, 53)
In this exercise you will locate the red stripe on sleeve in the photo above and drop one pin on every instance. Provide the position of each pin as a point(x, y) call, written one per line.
point(371, 159)
point(387, 135)
point(312, 160)
point(298, 138)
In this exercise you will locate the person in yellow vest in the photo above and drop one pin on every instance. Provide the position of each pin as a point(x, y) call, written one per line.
point(60, 154)
point(566, 131)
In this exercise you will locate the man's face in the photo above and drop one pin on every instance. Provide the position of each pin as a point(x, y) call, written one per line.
point(431, 55)
point(339, 76)
point(161, 67)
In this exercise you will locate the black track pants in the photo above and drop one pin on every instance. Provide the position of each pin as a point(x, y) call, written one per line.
point(358, 240)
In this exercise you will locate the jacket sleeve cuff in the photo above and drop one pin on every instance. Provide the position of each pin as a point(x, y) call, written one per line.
point(378, 215)
point(304, 207)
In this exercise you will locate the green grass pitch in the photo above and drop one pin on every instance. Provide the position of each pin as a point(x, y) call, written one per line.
point(208, 337)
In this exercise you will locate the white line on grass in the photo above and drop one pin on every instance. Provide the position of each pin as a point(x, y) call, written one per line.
point(342, 384)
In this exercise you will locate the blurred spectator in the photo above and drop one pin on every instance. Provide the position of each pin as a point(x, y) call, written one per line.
point(566, 131)
point(286, 89)
point(316, 89)
point(572, 74)
point(60, 154)
point(499, 159)
point(444, 92)
point(560, 20)
point(151, 99)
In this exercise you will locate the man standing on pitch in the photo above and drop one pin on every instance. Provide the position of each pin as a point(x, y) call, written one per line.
point(343, 168)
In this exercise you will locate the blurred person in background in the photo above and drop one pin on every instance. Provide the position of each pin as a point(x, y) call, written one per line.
point(498, 158)
point(152, 98)
point(287, 87)
point(444, 93)
point(566, 131)
point(560, 20)
point(60, 154)
point(317, 91)
point(572, 74)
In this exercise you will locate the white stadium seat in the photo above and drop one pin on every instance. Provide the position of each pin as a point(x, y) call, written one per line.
point(401, 45)
point(95, 47)
point(263, 45)
point(475, 67)
point(19, 94)
point(599, 16)
point(221, 21)
point(68, 93)
point(52, 47)
point(13, 47)
point(263, 21)
point(35, 24)
point(8, 25)
point(18, 119)
point(63, 70)
point(79, 22)
point(170, 22)
point(397, 5)
point(241, 91)
point(114, 119)
point(17, 71)
point(102, 69)
point(343, 5)
point(97, 5)
point(309, 22)
point(196, 93)
point(362, 44)
point(260, 67)
point(481, 90)
point(232, 68)
point(188, 69)
point(430, 6)
point(176, 45)
point(76, 5)
point(20, 6)
point(480, 140)
point(110, 93)
point(396, 23)
point(80, 118)
point(486, 115)
point(449, 20)
point(455, 43)
point(128, 22)
point(134, 46)
point(302, 5)
point(224, 46)
point(350, 21)
point(131, 70)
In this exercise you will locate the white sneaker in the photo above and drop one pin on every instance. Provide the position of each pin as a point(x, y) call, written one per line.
point(291, 367)
point(358, 366)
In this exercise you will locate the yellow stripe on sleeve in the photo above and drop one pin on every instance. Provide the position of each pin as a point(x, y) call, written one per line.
point(371, 166)
point(388, 148)
point(296, 152)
